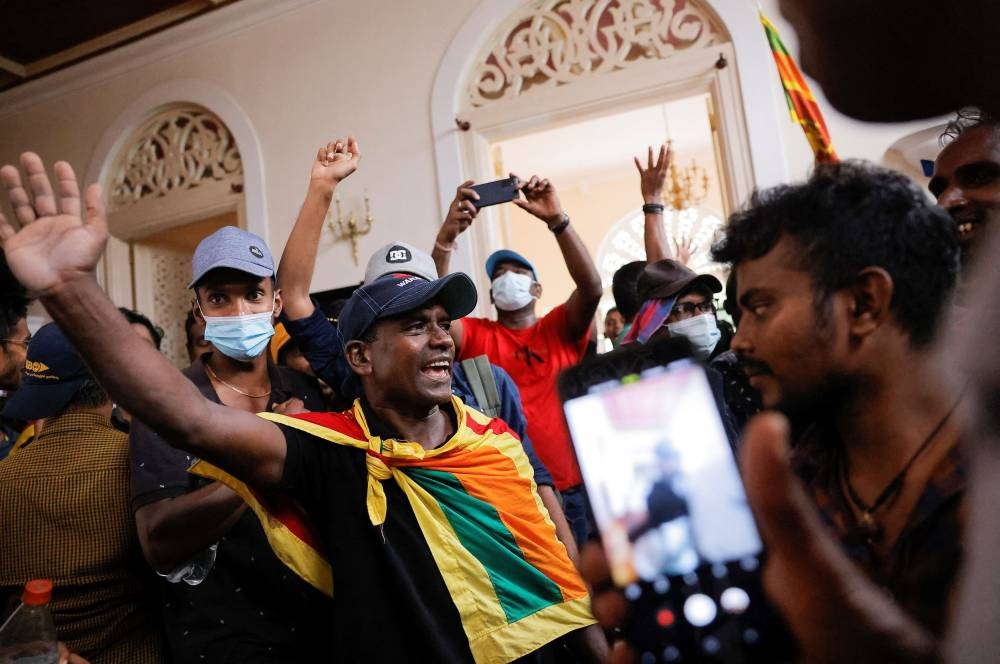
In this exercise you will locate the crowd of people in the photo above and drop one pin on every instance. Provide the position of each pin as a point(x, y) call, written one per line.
point(393, 479)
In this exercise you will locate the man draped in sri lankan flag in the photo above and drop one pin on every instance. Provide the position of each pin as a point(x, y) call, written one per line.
point(802, 104)
point(425, 525)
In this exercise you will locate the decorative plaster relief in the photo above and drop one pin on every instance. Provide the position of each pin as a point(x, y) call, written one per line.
point(175, 150)
point(554, 42)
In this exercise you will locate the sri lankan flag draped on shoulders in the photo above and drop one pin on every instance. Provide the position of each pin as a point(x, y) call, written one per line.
point(802, 105)
point(475, 501)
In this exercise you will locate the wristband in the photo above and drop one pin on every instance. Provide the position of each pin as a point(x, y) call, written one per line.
point(447, 250)
point(653, 208)
point(561, 226)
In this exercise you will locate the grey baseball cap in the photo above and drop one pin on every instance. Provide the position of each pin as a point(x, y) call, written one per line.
point(400, 257)
point(234, 248)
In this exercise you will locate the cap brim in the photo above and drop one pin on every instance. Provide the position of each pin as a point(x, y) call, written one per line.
point(235, 264)
point(709, 280)
point(507, 255)
point(662, 291)
point(455, 292)
point(34, 401)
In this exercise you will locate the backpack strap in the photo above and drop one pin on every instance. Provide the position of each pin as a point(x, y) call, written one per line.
point(483, 383)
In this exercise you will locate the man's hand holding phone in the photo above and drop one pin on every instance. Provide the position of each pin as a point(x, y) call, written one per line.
point(461, 212)
point(540, 200)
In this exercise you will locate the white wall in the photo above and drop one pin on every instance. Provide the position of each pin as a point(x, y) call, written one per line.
point(302, 77)
point(309, 72)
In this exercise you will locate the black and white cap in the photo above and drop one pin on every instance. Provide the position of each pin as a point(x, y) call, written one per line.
point(397, 257)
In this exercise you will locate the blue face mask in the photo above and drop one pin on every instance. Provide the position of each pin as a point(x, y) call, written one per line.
point(240, 337)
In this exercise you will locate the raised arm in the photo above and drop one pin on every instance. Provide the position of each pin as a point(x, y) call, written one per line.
point(460, 215)
point(54, 255)
point(461, 212)
point(334, 162)
point(651, 180)
point(540, 200)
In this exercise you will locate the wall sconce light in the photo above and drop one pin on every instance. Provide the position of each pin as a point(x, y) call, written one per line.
point(350, 229)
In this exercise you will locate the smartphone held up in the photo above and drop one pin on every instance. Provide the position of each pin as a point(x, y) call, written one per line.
point(677, 530)
point(496, 192)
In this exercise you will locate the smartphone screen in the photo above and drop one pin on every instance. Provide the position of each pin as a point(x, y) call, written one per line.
point(498, 191)
point(674, 520)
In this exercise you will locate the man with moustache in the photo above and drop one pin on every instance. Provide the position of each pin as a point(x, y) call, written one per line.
point(841, 283)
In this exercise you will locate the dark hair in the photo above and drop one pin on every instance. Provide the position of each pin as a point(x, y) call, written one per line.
point(849, 216)
point(333, 308)
point(698, 288)
point(969, 117)
point(730, 305)
point(135, 318)
point(727, 332)
point(14, 300)
point(613, 310)
point(88, 395)
point(625, 289)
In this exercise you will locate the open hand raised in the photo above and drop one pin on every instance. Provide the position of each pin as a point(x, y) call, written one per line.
point(58, 241)
point(652, 178)
point(334, 162)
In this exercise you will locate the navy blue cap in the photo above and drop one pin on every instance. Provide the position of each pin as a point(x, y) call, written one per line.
point(51, 377)
point(398, 293)
point(233, 248)
point(508, 255)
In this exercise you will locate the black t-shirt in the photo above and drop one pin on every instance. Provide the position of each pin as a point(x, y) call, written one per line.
point(251, 607)
point(393, 604)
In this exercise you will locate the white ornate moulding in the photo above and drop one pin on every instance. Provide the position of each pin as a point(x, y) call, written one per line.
point(554, 42)
point(175, 150)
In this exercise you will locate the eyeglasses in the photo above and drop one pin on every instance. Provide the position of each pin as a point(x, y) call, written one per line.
point(21, 342)
point(689, 309)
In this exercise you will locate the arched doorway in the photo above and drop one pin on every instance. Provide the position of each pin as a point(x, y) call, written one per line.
point(177, 178)
point(543, 65)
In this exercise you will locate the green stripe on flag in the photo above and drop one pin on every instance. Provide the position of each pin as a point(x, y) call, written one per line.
point(521, 589)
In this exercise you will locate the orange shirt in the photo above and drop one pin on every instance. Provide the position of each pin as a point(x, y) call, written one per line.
point(533, 357)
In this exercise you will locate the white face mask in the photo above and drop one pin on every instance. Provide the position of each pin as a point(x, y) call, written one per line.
point(512, 291)
point(702, 331)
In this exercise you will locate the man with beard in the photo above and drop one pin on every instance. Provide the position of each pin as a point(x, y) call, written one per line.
point(966, 180)
point(841, 283)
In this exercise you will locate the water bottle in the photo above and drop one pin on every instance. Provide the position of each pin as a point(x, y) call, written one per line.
point(29, 636)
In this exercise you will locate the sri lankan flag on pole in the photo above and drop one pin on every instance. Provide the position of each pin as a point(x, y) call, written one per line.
point(475, 501)
point(801, 103)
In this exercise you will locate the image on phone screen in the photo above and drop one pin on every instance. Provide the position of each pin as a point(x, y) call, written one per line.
point(661, 477)
point(677, 530)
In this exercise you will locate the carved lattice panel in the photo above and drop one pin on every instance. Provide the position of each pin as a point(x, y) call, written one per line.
point(554, 42)
point(170, 272)
point(696, 227)
point(177, 149)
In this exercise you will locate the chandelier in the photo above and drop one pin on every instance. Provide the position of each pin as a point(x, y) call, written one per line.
point(688, 186)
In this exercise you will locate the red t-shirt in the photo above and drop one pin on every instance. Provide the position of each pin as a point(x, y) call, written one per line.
point(533, 357)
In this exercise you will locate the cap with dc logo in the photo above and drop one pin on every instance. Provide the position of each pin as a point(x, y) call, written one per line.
point(398, 257)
